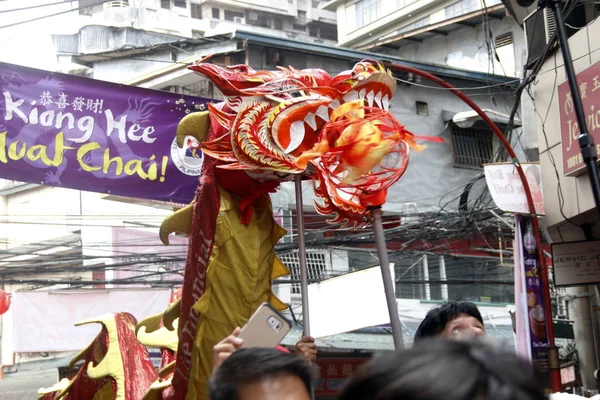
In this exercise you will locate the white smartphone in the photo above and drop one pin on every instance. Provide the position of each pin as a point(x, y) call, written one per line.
point(266, 328)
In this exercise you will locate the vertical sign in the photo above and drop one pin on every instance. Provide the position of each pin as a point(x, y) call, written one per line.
point(536, 317)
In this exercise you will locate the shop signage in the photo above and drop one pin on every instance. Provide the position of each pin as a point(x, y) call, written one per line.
point(589, 89)
point(576, 263)
point(333, 372)
point(507, 190)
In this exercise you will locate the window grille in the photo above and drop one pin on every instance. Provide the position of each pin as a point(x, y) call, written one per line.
point(317, 264)
point(165, 4)
point(472, 147)
point(504, 40)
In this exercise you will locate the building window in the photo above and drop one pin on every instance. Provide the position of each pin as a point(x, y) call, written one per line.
point(367, 11)
point(472, 147)
point(317, 266)
point(196, 10)
point(258, 19)
point(278, 24)
point(216, 13)
point(234, 16)
point(313, 30)
point(301, 17)
point(180, 3)
point(315, 4)
point(328, 32)
point(301, 28)
point(462, 7)
point(422, 108)
point(505, 61)
point(165, 4)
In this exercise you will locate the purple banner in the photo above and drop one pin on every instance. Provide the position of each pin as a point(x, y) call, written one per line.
point(536, 317)
point(85, 134)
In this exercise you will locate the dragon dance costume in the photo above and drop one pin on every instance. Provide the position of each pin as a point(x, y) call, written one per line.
point(273, 126)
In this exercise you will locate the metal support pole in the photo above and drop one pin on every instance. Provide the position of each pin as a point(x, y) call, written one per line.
point(443, 277)
point(586, 141)
point(302, 255)
point(388, 284)
point(426, 277)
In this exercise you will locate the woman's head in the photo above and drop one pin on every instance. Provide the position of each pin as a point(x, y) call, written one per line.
point(444, 370)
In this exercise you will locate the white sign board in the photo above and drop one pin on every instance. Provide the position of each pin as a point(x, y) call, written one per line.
point(576, 263)
point(347, 303)
point(507, 189)
point(44, 321)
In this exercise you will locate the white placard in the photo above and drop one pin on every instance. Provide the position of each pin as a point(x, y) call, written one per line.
point(507, 189)
point(576, 263)
point(349, 302)
point(44, 321)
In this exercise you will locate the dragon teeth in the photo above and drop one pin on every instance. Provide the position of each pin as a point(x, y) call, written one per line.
point(370, 98)
point(297, 133)
point(385, 102)
point(351, 96)
point(311, 120)
point(323, 113)
point(362, 93)
point(334, 104)
point(378, 100)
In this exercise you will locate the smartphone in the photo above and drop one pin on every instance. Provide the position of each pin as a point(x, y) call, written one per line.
point(266, 328)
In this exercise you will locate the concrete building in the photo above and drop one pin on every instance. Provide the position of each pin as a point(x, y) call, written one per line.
point(570, 209)
point(465, 34)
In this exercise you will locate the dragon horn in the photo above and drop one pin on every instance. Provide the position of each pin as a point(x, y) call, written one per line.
point(196, 125)
point(180, 221)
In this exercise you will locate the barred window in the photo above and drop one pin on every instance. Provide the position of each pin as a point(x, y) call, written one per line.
point(316, 263)
point(472, 147)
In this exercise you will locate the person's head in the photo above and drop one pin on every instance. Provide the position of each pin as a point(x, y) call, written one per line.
point(532, 173)
point(262, 374)
point(451, 320)
point(444, 370)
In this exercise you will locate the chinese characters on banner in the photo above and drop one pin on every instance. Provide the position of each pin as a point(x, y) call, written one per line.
point(333, 372)
point(79, 133)
point(532, 306)
point(589, 89)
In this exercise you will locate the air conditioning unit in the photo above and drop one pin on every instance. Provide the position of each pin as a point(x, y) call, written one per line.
point(539, 27)
point(253, 16)
point(238, 20)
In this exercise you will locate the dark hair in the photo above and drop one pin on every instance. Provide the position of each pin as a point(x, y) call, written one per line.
point(247, 366)
point(444, 370)
point(438, 317)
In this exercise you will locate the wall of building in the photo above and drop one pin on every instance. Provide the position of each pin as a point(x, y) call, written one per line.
point(466, 49)
point(578, 199)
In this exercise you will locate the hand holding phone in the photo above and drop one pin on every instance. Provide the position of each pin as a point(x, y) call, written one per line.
point(266, 328)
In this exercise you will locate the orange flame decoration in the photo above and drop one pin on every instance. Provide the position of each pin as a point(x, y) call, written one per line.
point(336, 130)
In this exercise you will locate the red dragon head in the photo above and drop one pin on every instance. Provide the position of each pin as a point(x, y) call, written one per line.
point(337, 130)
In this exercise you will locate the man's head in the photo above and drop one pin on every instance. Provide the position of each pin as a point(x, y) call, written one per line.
point(451, 320)
point(262, 374)
point(445, 370)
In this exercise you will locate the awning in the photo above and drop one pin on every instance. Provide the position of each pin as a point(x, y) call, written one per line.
point(466, 119)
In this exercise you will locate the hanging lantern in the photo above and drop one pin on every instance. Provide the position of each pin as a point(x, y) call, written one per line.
point(4, 302)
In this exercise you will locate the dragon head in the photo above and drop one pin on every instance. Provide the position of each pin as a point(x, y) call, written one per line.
point(337, 130)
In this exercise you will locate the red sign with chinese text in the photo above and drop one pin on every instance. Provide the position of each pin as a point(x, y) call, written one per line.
point(333, 372)
point(589, 88)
